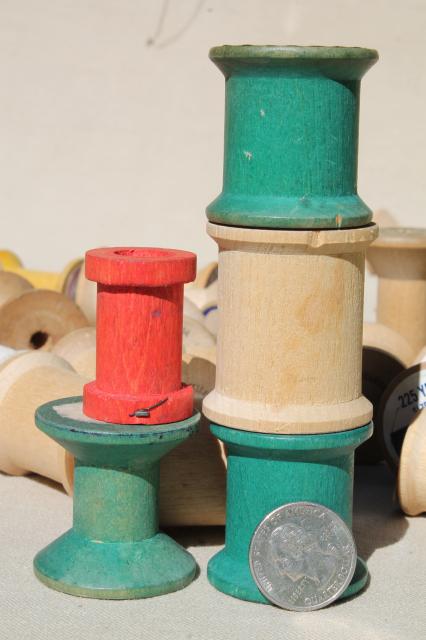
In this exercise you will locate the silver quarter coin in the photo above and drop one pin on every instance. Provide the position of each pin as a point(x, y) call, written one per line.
point(302, 556)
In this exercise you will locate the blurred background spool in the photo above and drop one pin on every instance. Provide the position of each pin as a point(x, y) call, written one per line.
point(79, 349)
point(385, 354)
point(193, 476)
point(34, 318)
point(412, 468)
point(398, 257)
point(64, 281)
point(26, 381)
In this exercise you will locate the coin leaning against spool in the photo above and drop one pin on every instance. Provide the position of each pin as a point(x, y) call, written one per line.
point(302, 556)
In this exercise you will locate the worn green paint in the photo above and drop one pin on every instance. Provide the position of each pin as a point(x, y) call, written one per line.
point(266, 471)
point(291, 137)
point(114, 549)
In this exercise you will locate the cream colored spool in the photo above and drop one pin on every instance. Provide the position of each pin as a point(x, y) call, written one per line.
point(379, 336)
point(26, 382)
point(289, 344)
point(37, 319)
point(79, 349)
point(420, 357)
point(85, 296)
point(412, 468)
point(398, 257)
point(193, 476)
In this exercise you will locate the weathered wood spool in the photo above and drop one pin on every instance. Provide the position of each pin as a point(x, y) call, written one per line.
point(398, 257)
point(412, 468)
point(290, 330)
point(26, 380)
point(34, 318)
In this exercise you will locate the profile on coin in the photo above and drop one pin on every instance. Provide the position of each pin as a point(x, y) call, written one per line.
point(302, 556)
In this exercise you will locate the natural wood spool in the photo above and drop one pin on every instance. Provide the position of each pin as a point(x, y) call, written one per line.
point(290, 330)
point(398, 257)
point(79, 349)
point(193, 476)
point(385, 354)
point(412, 468)
point(420, 357)
point(85, 296)
point(34, 318)
point(26, 381)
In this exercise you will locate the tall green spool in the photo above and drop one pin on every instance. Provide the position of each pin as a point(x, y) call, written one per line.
point(290, 162)
point(291, 137)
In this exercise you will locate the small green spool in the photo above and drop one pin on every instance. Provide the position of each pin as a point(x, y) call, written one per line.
point(291, 137)
point(114, 549)
point(266, 471)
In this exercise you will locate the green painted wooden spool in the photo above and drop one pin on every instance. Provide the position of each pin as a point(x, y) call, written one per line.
point(291, 136)
point(114, 549)
point(266, 471)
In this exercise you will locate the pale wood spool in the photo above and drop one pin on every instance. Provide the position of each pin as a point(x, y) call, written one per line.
point(85, 296)
point(412, 468)
point(289, 344)
point(420, 357)
point(27, 381)
point(398, 257)
point(385, 354)
point(79, 349)
point(34, 318)
point(193, 476)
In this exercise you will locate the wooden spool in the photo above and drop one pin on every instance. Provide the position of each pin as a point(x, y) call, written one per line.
point(420, 357)
point(193, 476)
point(63, 282)
point(412, 468)
point(139, 335)
point(290, 330)
point(79, 349)
point(385, 354)
point(398, 257)
point(26, 380)
point(34, 318)
point(85, 296)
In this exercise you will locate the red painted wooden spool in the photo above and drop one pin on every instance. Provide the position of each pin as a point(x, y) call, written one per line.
point(139, 335)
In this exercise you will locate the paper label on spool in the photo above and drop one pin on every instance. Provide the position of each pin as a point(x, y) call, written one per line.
point(406, 396)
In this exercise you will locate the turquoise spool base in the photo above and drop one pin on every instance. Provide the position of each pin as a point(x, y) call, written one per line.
point(116, 571)
point(266, 471)
point(114, 549)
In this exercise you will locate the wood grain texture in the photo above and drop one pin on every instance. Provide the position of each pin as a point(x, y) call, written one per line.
point(291, 136)
point(412, 468)
point(290, 330)
point(139, 335)
point(26, 381)
point(398, 257)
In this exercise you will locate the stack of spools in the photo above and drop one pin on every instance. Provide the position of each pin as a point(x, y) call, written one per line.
point(292, 235)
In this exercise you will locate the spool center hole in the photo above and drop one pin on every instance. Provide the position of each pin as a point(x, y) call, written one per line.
point(39, 339)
